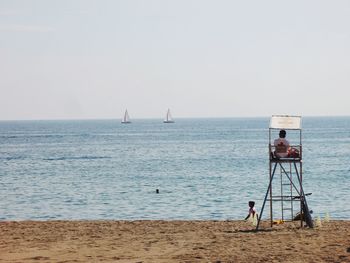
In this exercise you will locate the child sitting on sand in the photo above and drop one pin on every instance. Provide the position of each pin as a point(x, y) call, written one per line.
point(252, 210)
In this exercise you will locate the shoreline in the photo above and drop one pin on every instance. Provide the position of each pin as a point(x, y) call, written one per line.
point(172, 241)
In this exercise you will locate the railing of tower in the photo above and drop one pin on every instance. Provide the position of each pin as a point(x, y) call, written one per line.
point(294, 153)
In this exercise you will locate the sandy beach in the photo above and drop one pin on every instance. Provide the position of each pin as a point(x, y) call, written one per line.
point(172, 241)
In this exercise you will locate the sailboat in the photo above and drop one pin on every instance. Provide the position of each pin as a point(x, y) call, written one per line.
point(126, 118)
point(168, 118)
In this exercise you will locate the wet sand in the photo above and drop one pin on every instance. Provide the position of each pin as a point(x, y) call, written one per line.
point(172, 241)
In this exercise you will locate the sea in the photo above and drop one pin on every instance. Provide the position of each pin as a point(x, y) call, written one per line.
point(193, 169)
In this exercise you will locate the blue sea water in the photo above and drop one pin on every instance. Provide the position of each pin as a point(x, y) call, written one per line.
point(203, 168)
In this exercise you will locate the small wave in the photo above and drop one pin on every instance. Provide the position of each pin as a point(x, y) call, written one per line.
point(32, 136)
point(10, 158)
point(9, 136)
point(76, 158)
point(45, 136)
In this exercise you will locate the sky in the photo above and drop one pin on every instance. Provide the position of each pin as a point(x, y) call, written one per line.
point(92, 59)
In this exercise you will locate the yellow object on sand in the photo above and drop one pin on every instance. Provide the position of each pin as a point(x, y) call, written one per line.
point(278, 222)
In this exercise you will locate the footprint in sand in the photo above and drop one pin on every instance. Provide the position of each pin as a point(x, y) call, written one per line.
point(40, 258)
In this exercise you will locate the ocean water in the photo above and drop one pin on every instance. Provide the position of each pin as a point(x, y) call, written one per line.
point(203, 168)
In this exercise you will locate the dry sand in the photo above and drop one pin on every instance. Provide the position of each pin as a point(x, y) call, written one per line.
point(171, 241)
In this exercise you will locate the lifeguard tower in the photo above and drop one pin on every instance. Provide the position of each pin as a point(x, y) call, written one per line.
point(289, 189)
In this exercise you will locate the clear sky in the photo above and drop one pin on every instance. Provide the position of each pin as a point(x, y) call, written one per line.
point(77, 59)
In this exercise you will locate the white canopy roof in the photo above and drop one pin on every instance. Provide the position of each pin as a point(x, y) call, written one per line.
point(286, 122)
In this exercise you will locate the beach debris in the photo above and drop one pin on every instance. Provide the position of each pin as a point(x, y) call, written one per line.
point(318, 222)
point(327, 218)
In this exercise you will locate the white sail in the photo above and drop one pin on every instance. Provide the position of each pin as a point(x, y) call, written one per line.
point(168, 118)
point(126, 118)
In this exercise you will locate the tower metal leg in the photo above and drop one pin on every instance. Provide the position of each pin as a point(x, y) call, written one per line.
point(305, 207)
point(267, 192)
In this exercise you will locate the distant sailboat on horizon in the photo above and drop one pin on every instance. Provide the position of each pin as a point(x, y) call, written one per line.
point(126, 118)
point(168, 118)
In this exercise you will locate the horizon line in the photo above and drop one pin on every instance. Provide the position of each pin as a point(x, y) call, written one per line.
point(178, 118)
